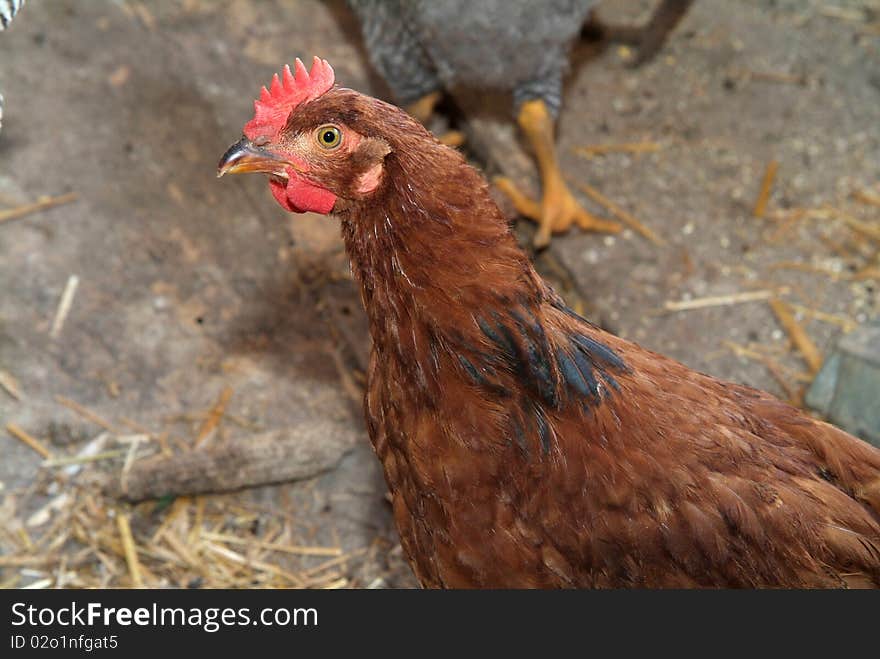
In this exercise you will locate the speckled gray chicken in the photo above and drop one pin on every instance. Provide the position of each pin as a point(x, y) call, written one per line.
point(8, 10)
point(423, 48)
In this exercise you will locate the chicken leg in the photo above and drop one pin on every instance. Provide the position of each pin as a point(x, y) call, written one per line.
point(558, 209)
point(423, 110)
point(647, 39)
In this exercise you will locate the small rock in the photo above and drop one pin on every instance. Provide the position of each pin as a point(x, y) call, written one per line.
point(847, 388)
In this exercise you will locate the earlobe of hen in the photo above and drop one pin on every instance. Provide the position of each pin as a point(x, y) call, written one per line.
point(376, 150)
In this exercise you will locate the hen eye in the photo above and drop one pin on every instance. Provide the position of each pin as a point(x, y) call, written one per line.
point(329, 137)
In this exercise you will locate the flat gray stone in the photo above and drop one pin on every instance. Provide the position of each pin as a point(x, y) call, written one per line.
point(847, 389)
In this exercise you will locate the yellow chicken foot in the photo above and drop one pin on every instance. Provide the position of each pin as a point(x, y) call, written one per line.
point(558, 209)
point(423, 110)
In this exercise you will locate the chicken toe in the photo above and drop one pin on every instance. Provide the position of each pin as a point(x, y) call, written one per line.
point(556, 213)
point(423, 110)
point(558, 209)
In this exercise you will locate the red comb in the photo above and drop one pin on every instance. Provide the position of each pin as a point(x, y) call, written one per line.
point(275, 104)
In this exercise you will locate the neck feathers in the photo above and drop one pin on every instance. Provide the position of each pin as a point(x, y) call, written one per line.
point(433, 242)
point(448, 291)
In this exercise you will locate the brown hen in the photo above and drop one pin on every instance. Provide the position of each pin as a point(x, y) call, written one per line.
point(522, 445)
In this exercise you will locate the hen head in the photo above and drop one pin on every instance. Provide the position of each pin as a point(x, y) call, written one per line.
point(315, 142)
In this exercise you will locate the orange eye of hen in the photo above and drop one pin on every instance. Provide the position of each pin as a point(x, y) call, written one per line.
point(329, 137)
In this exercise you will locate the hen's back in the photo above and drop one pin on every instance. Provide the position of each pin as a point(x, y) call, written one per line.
point(753, 491)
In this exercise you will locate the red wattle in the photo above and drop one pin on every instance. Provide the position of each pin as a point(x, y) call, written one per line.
point(310, 197)
point(300, 196)
point(280, 194)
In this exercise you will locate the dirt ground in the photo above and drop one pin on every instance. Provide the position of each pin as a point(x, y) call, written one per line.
point(188, 286)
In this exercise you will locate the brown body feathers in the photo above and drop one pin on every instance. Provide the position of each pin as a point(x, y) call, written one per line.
point(525, 447)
